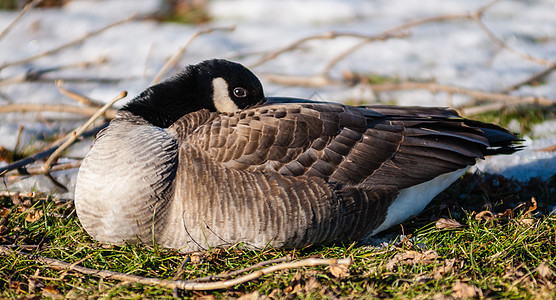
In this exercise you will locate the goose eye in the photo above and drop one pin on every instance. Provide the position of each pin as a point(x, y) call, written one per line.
point(240, 92)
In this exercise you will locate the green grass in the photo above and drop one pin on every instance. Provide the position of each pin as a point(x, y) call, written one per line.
point(500, 257)
point(527, 116)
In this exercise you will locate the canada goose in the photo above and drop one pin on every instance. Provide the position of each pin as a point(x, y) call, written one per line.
point(198, 161)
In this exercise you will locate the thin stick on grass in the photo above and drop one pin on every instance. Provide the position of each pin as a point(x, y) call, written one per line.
point(20, 164)
point(191, 285)
point(535, 77)
point(323, 78)
point(66, 45)
point(39, 170)
point(286, 258)
point(328, 35)
point(77, 97)
point(37, 74)
point(24, 11)
point(173, 61)
point(62, 108)
point(70, 138)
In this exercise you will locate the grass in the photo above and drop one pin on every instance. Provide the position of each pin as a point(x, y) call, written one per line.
point(509, 255)
point(527, 116)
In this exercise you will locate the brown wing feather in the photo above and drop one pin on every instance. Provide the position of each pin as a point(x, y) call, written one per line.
point(387, 146)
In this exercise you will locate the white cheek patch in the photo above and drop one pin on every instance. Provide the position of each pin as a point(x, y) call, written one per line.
point(221, 96)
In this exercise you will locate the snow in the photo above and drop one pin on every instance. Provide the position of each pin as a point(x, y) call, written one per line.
point(454, 52)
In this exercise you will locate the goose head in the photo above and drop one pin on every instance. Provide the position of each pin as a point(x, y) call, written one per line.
point(216, 85)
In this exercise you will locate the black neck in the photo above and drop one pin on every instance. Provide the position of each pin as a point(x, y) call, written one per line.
point(164, 103)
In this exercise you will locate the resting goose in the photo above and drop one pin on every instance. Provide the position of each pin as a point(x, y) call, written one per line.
point(199, 161)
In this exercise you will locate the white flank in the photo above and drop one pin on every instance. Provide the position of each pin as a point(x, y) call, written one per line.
point(221, 96)
point(411, 201)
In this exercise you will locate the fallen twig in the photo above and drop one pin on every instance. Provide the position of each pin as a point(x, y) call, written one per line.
point(250, 268)
point(39, 170)
point(71, 137)
point(72, 109)
point(37, 74)
point(323, 78)
point(192, 285)
point(173, 61)
point(20, 164)
point(66, 45)
point(536, 77)
point(77, 97)
point(502, 44)
point(329, 35)
point(24, 11)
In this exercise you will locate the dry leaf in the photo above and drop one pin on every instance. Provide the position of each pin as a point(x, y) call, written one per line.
point(485, 215)
point(544, 271)
point(196, 258)
point(412, 257)
point(447, 224)
point(532, 208)
point(33, 215)
point(422, 279)
point(4, 212)
point(527, 222)
point(51, 291)
point(339, 271)
point(311, 285)
point(445, 269)
point(462, 290)
point(251, 296)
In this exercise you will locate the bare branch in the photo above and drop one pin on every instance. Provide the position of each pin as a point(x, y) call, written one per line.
point(326, 71)
point(501, 43)
point(37, 74)
point(181, 284)
point(39, 170)
point(77, 97)
point(20, 164)
point(173, 61)
point(536, 77)
point(70, 138)
point(67, 45)
point(24, 11)
point(329, 35)
point(250, 268)
point(72, 109)
point(309, 81)
point(502, 98)
point(475, 94)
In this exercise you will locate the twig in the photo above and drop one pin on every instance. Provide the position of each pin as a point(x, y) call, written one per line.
point(24, 11)
point(250, 268)
point(502, 44)
point(181, 284)
point(536, 77)
point(308, 81)
point(37, 74)
point(72, 109)
point(77, 97)
point(39, 170)
point(475, 94)
point(173, 61)
point(67, 45)
point(326, 70)
point(319, 80)
point(329, 35)
point(77, 132)
point(44, 154)
point(18, 140)
point(398, 31)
